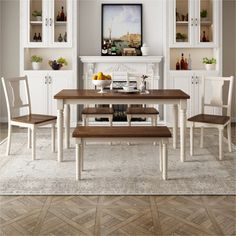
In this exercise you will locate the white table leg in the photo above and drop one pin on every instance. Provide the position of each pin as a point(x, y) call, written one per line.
point(192, 139)
point(183, 106)
point(60, 129)
point(164, 161)
point(220, 143)
point(67, 126)
point(201, 137)
point(77, 152)
point(175, 125)
point(53, 137)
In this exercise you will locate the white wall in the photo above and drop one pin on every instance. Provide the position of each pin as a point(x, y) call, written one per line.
point(229, 45)
point(9, 20)
point(89, 16)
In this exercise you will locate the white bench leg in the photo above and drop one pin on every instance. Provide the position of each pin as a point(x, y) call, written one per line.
point(53, 137)
point(160, 156)
point(191, 139)
point(29, 138)
point(175, 125)
point(164, 161)
point(78, 160)
point(67, 126)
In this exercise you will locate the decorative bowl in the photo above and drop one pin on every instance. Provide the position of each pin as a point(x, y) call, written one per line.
point(102, 84)
point(128, 88)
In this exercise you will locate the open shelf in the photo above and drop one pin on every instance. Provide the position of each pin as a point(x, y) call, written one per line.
point(36, 22)
point(60, 22)
point(182, 23)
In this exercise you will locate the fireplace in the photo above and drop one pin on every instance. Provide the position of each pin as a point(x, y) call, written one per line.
point(119, 67)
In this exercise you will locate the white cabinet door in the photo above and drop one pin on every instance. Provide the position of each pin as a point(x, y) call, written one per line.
point(38, 93)
point(61, 29)
point(57, 82)
point(195, 92)
point(184, 83)
point(207, 22)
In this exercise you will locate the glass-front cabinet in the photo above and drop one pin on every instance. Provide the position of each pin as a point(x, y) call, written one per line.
point(193, 23)
point(49, 23)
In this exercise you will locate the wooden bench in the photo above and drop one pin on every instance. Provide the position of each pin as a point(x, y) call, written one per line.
point(150, 134)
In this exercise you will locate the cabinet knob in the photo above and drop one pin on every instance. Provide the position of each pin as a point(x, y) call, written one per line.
point(196, 22)
point(50, 22)
point(45, 80)
point(191, 21)
point(46, 21)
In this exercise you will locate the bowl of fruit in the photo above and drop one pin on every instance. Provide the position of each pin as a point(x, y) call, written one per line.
point(100, 80)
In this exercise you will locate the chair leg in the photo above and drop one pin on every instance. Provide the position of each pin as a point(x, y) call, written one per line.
point(229, 137)
point(29, 138)
point(33, 129)
point(192, 139)
point(201, 138)
point(53, 137)
point(9, 139)
point(82, 155)
point(220, 144)
point(129, 124)
point(154, 123)
point(160, 155)
point(84, 121)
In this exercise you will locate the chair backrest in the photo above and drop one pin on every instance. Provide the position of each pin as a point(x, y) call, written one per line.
point(17, 95)
point(212, 93)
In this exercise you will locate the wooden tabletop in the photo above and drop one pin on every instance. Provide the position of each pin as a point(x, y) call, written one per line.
point(121, 131)
point(112, 94)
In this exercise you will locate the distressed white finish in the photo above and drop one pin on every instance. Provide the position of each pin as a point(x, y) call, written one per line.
point(13, 91)
point(216, 101)
point(182, 110)
point(80, 143)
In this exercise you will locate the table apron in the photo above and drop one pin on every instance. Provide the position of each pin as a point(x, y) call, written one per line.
point(122, 101)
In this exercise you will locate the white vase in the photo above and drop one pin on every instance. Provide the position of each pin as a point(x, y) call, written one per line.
point(36, 65)
point(145, 50)
point(210, 66)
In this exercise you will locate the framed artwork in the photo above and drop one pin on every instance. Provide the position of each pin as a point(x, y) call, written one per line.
point(121, 30)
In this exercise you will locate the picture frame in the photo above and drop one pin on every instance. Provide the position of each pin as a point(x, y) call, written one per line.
point(121, 29)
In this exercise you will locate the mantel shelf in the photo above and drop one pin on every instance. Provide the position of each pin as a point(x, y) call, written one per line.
point(121, 59)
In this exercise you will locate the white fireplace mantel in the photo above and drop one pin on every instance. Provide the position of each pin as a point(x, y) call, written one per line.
point(149, 65)
point(120, 59)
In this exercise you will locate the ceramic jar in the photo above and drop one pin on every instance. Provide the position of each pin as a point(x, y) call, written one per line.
point(145, 50)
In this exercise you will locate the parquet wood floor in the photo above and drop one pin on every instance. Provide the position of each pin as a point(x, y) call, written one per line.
point(118, 215)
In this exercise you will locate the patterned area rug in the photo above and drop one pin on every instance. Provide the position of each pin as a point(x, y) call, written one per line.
point(118, 169)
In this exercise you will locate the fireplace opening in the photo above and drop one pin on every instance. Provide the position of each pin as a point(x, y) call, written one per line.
point(120, 109)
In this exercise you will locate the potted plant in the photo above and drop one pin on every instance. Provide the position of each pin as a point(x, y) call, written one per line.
point(204, 15)
point(36, 62)
point(209, 63)
point(58, 64)
point(181, 37)
point(37, 15)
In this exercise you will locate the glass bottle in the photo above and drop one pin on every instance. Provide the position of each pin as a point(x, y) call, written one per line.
point(182, 62)
point(62, 16)
point(58, 16)
point(113, 49)
point(204, 39)
point(104, 48)
point(185, 64)
point(39, 38)
point(35, 38)
point(65, 37)
point(60, 39)
point(177, 65)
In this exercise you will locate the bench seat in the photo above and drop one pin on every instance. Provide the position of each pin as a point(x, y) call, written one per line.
point(159, 134)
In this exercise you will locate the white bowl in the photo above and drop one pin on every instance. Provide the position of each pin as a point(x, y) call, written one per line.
point(129, 88)
point(102, 84)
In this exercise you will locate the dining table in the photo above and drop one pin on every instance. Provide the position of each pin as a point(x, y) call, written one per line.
point(175, 97)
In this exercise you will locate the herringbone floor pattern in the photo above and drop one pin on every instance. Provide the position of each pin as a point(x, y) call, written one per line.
point(118, 215)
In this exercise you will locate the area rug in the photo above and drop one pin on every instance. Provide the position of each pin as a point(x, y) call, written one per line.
point(116, 170)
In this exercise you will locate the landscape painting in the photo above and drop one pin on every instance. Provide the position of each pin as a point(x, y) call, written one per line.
point(121, 29)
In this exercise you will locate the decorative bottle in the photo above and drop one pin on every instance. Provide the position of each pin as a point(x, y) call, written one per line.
point(182, 62)
point(62, 16)
point(204, 39)
point(177, 65)
point(60, 39)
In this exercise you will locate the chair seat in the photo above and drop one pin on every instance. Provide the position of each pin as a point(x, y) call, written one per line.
point(142, 111)
point(210, 119)
point(97, 111)
point(34, 119)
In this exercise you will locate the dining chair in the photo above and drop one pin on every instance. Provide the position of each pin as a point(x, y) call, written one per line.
point(17, 96)
point(212, 97)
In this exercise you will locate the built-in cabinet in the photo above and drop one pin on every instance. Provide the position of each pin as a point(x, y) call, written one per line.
point(194, 30)
point(194, 23)
point(54, 23)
